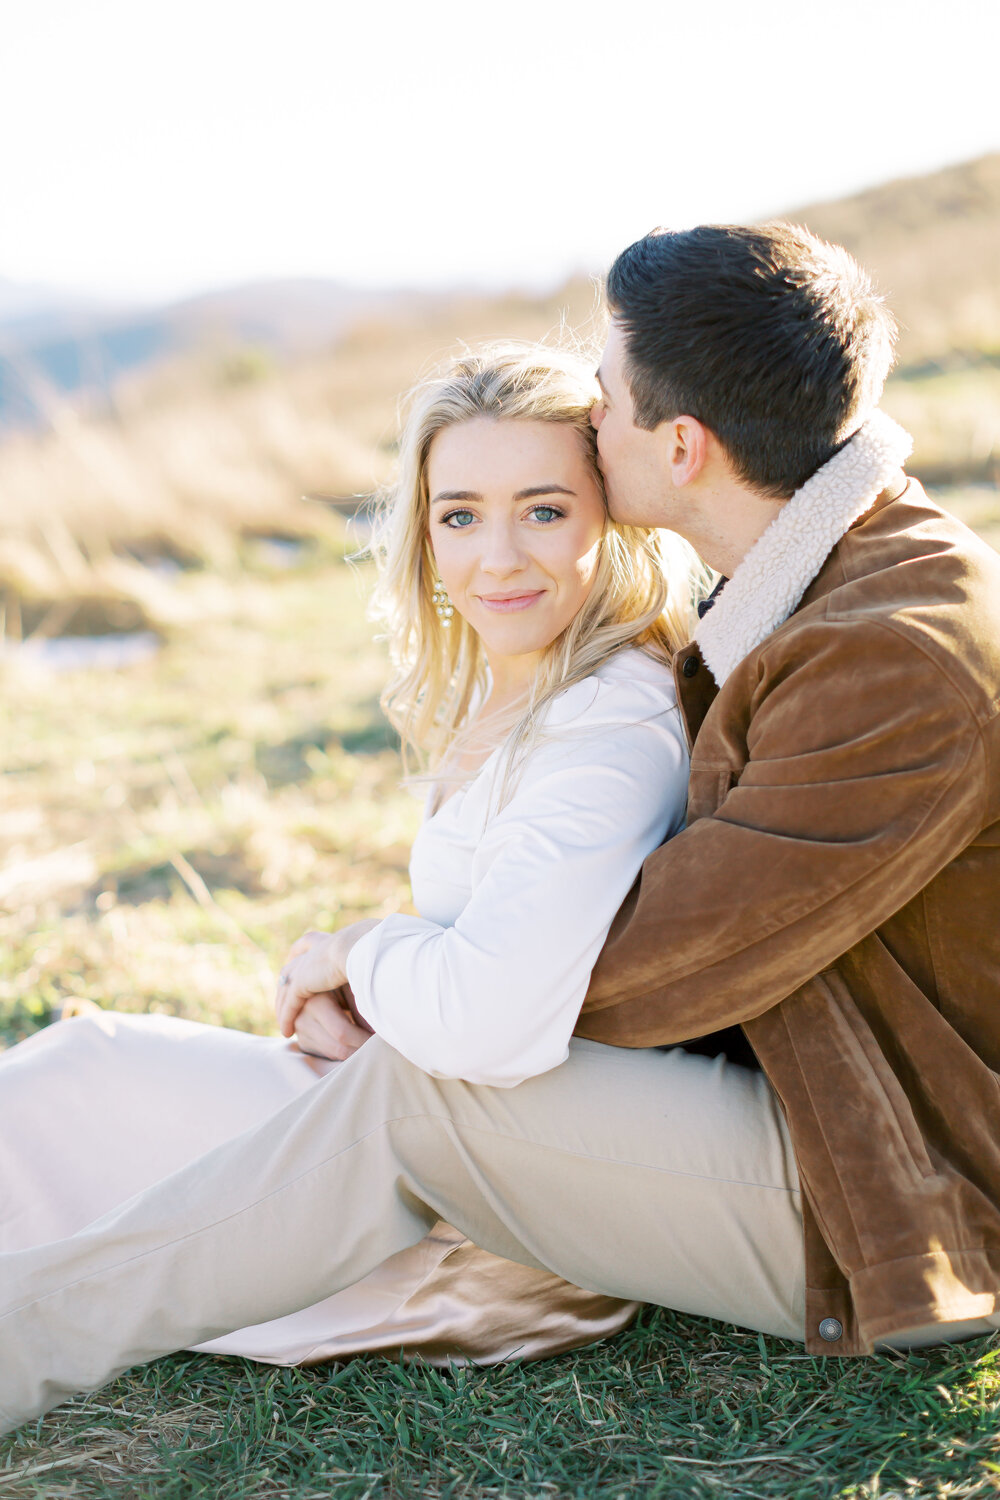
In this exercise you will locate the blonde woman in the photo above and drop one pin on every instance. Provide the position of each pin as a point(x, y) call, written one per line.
point(529, 639)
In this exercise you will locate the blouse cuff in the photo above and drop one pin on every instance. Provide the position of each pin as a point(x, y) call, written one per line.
point(360, 967)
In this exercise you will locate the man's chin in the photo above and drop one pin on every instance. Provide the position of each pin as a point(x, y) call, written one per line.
point(625, 512)
point(618, 513)
point(610, 498)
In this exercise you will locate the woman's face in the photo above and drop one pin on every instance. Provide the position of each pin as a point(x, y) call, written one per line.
point(516, 517)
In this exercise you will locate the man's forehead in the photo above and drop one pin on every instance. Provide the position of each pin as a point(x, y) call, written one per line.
point(609, 371)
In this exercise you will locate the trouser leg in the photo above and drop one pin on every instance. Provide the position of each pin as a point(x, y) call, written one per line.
point(649, 1175)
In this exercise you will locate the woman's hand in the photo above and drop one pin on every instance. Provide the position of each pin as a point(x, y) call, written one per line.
point(316, 965)
point(325, 1027)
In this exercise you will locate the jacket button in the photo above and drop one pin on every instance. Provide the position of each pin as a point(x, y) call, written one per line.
point(831, 1329)
point(690, 667)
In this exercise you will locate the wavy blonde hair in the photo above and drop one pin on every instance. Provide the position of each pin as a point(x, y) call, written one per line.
point(643, 591)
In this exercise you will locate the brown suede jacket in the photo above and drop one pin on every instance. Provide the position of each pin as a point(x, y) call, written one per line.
point(837, 892)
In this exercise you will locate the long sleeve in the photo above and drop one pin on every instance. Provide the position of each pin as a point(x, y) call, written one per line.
point(494, 998)
point(854, 796)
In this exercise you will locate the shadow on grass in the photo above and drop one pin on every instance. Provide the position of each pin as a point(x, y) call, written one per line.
point(674, 1406)
point(371, 738)
point(363, 730)
point(157, 880)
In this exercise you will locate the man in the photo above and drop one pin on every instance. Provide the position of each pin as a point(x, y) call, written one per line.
point(834, 895)
point(835, 891)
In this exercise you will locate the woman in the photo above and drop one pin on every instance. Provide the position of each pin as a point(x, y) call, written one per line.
point(529, 639)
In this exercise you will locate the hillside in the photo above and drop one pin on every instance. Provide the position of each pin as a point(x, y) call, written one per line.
point(291, 389)
point(933, 243)
point(53, 349)
point(201, 455)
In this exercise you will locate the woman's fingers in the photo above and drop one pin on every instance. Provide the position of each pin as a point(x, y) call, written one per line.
point(289, 1000)
point(316, 965)
point(304, 943)
point(283, 1003)
point(313, 971)
point(303, 975)
point(325, 1030)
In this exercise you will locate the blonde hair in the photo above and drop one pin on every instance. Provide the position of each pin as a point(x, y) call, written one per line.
point(642, 594)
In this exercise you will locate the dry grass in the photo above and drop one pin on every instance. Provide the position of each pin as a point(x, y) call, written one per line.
point(954, 416)
point(201, 455)
point(198, 457)
point(931, 242)
point(167, 831)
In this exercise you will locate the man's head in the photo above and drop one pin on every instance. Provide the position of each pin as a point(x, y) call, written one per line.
point(773, 344)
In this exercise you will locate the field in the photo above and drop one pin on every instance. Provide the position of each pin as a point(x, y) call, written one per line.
point(195, 461)
point(201, 809)
point(199, 462)
point(166, 831)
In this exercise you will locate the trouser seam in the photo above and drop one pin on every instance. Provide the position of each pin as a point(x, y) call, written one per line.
point(360, 1140)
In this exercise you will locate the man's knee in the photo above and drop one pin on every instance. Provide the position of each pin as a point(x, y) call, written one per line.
point(377, 1058)
point(382, 1074)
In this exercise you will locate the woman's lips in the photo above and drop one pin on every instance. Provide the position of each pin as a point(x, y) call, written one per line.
point(507, 604)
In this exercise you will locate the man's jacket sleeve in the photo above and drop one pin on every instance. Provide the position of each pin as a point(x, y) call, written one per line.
point(864, 776)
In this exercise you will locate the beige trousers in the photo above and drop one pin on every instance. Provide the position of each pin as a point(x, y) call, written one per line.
point(652, 1175)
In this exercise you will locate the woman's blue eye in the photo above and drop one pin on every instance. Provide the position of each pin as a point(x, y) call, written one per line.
point(546, 513)
point(458, 520)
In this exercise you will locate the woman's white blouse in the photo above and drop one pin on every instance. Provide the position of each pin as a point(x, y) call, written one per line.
point(487, 983)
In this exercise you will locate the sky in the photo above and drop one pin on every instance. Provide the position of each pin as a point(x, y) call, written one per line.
point(152, 149)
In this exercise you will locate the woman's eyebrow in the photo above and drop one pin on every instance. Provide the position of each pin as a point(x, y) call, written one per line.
point(543, 489)
point(456, 495)
point(530, 493)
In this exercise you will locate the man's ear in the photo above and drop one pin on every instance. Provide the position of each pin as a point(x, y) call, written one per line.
point(686, 443)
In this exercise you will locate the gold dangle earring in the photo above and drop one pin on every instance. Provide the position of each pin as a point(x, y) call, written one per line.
point(442, 604)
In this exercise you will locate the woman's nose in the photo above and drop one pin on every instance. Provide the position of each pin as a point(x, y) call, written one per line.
point(500, 553)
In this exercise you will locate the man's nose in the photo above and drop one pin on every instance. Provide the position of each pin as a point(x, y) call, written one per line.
point(597, 414)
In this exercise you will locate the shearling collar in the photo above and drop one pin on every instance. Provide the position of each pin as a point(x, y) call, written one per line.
point(781, 564)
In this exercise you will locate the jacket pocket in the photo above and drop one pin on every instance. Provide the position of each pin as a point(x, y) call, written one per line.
point(874, 1075)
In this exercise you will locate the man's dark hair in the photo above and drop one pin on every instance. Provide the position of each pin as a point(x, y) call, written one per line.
point(775, 340)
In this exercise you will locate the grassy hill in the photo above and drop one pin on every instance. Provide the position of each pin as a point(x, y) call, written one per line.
point(933, 243)
point(203, 455)
point(199, 454)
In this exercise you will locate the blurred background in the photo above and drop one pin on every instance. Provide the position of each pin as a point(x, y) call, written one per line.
point(230, 236)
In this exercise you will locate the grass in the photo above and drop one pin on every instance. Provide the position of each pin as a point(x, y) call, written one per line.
point(165, 832)
point(931, 243)
point(170, 829)
point(674, 1406)
point(191, 463)
point(954, 416)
